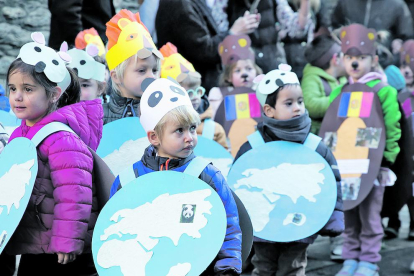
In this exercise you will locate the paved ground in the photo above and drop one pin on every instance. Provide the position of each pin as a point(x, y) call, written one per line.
point(397, 255)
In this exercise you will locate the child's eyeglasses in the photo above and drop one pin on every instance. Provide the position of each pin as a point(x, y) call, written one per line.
point(198, 92)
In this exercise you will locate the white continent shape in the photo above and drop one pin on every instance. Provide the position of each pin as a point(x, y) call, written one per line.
point(180, 270)
point(150, 221)
point(13, 184)
point(130, 152)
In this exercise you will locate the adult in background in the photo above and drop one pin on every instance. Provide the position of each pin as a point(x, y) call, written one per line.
point(69, 17)
point(197, 27)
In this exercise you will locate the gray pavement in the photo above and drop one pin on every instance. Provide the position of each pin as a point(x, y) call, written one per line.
point(397, 255)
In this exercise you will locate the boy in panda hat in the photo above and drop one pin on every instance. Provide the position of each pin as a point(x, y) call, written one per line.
point(170, 121)
point(286, 119)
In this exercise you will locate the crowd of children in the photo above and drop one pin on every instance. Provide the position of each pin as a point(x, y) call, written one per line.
point(72, 87)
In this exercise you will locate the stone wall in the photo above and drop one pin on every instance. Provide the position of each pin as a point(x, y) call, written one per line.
point(19, 18)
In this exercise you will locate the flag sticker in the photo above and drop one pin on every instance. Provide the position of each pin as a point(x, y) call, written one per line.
point(242, 106)
point(356, 104)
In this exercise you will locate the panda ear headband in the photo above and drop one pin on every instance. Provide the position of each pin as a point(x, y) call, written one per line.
point(269, 83)
point(46, 60)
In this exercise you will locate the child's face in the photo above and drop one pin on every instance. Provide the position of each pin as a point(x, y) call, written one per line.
point(28, 98)
point(243, 74)
point(177, 141)
point(408, 74)
point(289, 104)
point(135, 73)
point(89, 90)
point(357, 66)
point(196, 93)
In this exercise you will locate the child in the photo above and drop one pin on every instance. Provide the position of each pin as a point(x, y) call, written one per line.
point(132, 56)
point(286, 119)
point(90, 69)
point(239, 70)
point(407, 64)
point(177, 67)
point(54, 236)
point(323, 73)
point(363, 229)
point(171, 130)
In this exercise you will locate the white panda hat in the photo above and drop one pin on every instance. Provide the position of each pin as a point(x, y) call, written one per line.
point(160, 96)
point(269, 83)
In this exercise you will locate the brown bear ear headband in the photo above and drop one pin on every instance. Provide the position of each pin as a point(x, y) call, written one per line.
point(358, 40)
point(407, 54)
point(234, 48)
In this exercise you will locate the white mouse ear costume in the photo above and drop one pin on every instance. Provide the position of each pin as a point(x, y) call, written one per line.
point(85, 65)
point(160, 96)
point(274, 79)
point(46, 60)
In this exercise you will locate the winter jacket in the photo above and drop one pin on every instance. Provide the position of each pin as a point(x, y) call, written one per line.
point(228, 259)
point(390, 109)
point(119, 107)
point(196, 35)
point(389, 15)
point(335, 226)
point(206, 112)
point(314, 94)
point(63, 207)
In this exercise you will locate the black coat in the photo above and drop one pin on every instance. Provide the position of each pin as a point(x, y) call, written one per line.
point(189, 25)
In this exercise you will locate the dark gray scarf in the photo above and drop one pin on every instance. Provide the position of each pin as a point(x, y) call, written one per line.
point(293, 130)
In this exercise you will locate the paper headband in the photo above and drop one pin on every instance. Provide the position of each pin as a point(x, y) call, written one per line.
point(88, 37)
point(175, 65)
point(234, 48)
point(160, 96)
point(270, 82)
point(85, 65)
point(327, 56)
point(128, 36)
point(357, 40)
point(46, 60)
point(407, 54)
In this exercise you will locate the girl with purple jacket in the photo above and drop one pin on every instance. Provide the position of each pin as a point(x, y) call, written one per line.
point(55, 233)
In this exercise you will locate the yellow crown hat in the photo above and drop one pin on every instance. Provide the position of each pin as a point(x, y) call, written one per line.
point(128, 36)
point(175, 65)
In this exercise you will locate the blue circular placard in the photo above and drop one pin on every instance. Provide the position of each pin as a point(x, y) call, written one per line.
point(157, 225)
point(288, 190)
point(214, 152)
point(18, 171)
point(123, 143)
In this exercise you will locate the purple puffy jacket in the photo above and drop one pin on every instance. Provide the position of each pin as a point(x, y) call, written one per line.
point(63, 208)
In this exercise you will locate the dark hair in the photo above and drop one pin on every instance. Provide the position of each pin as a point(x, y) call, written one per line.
point(102, 85)
point(272, 98)
point(319, 46)
point(70, 96)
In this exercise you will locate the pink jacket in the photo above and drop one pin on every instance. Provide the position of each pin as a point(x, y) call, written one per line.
point(63, 209)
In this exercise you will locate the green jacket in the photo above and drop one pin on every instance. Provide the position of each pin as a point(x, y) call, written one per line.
point(390, 109)
point(315, 99)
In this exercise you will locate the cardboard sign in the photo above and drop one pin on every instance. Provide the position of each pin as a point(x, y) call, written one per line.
point(239, 114)
point(153, 226)
point(353, 128)
point(123, 143)
point(288, 189)
point(9, 121)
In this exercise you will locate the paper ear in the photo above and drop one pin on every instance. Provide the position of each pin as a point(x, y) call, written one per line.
point(221, 48)
point(38, 37)
point(146, 83)
point(92, 50)
point(285, 67)
point(123, 22)
point(258, 78)
point(242, 42)
point(65, 57)
point(64, 47)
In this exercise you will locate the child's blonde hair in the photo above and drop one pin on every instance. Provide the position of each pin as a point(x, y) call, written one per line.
point(225, 76)
point(120, 70)
point(183, 115)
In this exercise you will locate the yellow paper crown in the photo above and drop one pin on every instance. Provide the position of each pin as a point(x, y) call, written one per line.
point(128, 36)
point(175, 65)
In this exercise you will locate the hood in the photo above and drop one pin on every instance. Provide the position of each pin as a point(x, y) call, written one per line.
point(313, 70)
point(84, 118)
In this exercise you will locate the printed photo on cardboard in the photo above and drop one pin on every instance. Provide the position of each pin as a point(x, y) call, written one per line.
point(350, 188)
point(368, 137)
point(330, 140)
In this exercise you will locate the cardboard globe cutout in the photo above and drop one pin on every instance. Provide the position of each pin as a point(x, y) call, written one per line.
point(353, 128)
point(288, 189)
point(157, 223)
point(9, 121)
point(123, 143)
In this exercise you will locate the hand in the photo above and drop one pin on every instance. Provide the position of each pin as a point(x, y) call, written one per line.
point(246, 24)
point(396, 46)
point(65, 258)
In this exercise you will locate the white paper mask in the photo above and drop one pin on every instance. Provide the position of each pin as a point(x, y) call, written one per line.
point(160, 96)
point(85, 65)
point(46, 60)
point(274, 79)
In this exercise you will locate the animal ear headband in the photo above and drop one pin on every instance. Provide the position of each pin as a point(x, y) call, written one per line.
point(85, 65)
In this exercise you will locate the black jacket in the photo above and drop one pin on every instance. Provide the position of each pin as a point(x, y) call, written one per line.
point(189, 25)
point(120, 107)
